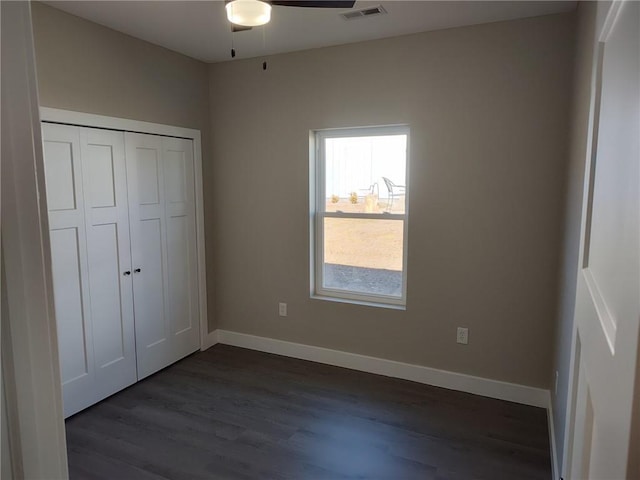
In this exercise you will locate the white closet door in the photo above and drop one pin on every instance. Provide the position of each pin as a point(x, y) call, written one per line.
point(162, 213)
point(63, 172)
point(109, 258)
point(87, 201)
point(181, 245)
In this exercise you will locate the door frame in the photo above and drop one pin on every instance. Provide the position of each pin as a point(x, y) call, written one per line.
point(70, 117)
point(606, 14)
point(30, 366)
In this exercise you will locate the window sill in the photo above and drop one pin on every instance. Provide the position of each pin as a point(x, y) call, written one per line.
point(366, 303)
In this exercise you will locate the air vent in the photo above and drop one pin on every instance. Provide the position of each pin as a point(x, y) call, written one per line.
point(365, 12)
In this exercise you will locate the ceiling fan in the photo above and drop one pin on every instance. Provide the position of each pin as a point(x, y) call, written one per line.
point(245, 14)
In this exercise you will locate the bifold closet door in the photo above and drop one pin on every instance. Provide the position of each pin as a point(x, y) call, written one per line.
point(160, 174)
point(89, 230)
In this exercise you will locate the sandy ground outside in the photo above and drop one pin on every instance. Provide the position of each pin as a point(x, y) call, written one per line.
point(364, 243)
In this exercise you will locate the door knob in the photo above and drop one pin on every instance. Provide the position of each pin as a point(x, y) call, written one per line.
point(128, 272)
point(137, 270)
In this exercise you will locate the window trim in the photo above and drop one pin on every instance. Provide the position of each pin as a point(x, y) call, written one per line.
point(317, 204)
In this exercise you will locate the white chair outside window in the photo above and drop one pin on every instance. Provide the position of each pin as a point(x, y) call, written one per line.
point(395, 191)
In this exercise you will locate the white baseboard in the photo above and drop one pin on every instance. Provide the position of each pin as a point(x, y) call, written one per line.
point(555, 468)
point(209, 340)
point(512, 392)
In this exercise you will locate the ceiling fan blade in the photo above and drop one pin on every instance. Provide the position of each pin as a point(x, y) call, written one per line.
point(239, 28)
point(314, 3)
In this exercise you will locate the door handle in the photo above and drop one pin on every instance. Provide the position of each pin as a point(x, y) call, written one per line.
point(137, 270)
point(127, 273)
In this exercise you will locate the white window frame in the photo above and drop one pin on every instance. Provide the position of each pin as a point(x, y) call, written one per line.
point(318, 214)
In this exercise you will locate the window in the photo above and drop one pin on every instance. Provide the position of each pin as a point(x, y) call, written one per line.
point(359, 224)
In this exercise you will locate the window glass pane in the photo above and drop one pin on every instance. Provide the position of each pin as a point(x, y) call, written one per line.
point(363, 256)
point(365, 174)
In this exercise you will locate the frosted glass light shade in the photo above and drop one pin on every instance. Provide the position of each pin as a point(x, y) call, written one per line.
point(248, 13)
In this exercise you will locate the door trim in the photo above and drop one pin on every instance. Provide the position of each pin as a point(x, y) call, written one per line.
point(70, 117)
point(30, 367)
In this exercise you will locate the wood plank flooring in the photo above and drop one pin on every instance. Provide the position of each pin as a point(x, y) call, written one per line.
point(231, 413)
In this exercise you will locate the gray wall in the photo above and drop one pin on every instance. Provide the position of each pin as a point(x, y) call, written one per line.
point(488, 109)
point(86, 67)
point(581, 96)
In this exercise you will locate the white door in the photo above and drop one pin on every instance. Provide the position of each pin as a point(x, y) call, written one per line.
point(88, 218)
point(160, 173)
point(607, 309)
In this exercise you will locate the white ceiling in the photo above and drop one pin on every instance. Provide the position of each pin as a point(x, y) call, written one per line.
point(200, 30)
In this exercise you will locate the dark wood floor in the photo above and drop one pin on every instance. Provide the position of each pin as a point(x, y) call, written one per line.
point(232, 413)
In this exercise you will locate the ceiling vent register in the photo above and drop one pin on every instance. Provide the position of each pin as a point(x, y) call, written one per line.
point(365, 12)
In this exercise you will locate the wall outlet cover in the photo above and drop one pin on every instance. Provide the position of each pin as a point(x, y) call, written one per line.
point(463, 335)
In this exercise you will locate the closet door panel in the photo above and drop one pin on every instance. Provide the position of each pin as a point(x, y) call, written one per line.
point(99, 171)
point(109, 257)
point(145, 182)
point(181, 237)
point(86, 194)
point(179, 310)
point(150, 319)
point(176, 167)
point(60, 171)
point(70, 270)
point(106, 302)
point(162, 209)
point(74, 354)
point(147, 157)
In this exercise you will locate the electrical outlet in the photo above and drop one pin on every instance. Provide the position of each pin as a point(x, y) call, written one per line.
point(555, 388)
point(282, 309)
point(463, 335)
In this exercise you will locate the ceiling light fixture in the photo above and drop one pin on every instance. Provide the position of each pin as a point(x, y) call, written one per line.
point(248, 13)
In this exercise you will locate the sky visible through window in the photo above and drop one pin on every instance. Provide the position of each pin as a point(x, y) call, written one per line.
point(354, 164)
